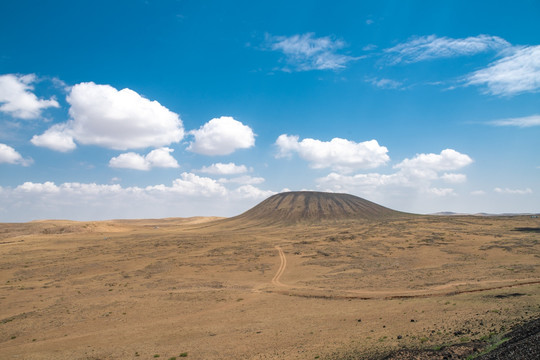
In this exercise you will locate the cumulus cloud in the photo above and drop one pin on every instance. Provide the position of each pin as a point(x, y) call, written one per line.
point(193, 185)
point(513, 191)
point(364, 183)
point(338, 154)
point(156, 158)
point(306, 52)
point(428, 165)
point(513, 74)
point(440, 191)
point(117, 119)
point(221, 136)
point(246, 180)
point(57, 138)
point(17, 98)
point(454, 178)
point(9, 155)
point(224, 169)
point(30, 187)
point(526, 121)
point(189, 195)
point(252, 192)
point(418, 174)
point(432, 47)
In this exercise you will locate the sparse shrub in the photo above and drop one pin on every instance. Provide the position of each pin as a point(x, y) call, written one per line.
point(184, 354)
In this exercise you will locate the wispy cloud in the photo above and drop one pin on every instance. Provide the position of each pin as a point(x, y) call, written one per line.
point(433, 47)
point(306, 52)
point(511, 75)
point(522, 122)
point(513, 191)
point(385, 83)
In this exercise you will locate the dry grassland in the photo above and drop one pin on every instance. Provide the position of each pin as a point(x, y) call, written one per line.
point(220, 289)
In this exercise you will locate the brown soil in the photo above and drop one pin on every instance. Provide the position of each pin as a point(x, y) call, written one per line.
point(227, 289)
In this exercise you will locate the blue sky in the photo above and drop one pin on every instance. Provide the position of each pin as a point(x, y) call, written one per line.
point(145, 109)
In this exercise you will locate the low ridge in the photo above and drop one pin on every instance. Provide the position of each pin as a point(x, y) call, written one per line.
point(312, 206)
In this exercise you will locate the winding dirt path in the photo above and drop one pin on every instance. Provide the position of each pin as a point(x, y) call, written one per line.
point(281, 269)
point(441, 290)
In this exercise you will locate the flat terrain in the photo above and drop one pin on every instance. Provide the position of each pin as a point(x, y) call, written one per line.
point(221, 289)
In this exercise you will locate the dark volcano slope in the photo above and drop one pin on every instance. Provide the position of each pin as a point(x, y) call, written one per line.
point(311, 207)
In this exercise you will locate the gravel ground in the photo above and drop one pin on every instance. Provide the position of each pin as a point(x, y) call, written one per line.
point(523, 344)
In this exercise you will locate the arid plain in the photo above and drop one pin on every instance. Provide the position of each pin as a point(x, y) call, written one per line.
point(302, 276)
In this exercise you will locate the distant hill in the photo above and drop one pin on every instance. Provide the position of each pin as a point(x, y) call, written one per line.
point(312, 206)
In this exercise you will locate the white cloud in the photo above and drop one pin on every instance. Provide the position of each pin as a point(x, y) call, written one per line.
point(224, 169)
point(385, 83)
point(30, 187)
point(193, 185)
point(454, 178)
point(57, 138)
point(251, 192)
point(17, 98)
point(433, 47)
point(511, 75)
point(440, 191)
point(10, 156)
point(162, 158)
point(364, 183)
point(478, 192)
point(221, 136)
point(307, 52)
point(338, 154)
point(189, 195)
point(120, 120)
point(246, 180)
point(526, 121)
point(417, 174)
point(513, 191)
point(369, 47)
point(427, 165)
point(156, 158)
point(130, 160)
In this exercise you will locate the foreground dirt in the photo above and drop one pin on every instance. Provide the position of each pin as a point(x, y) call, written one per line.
point(220, 289)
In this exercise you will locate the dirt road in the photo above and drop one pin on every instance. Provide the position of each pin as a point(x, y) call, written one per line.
point(281, 269)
